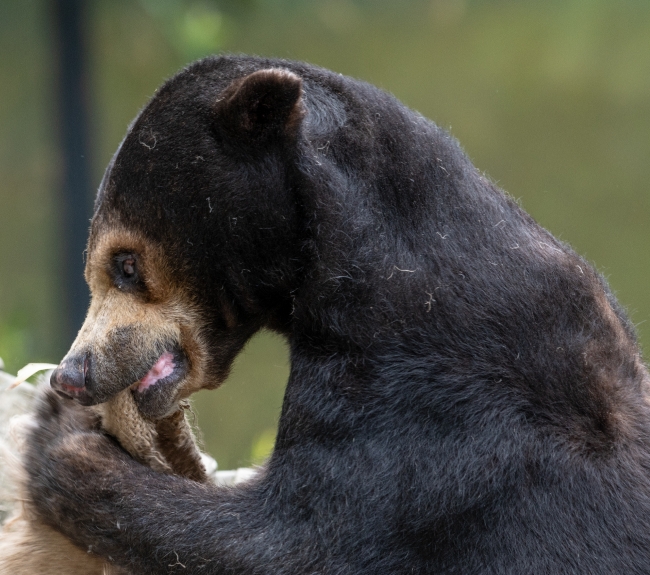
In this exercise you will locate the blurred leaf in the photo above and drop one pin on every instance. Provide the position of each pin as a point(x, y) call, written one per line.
point(202, 30)
point(14, 346)
point(263, 446)
point(194, 29)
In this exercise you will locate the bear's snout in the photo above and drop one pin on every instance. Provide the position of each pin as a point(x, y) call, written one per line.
point(70, 378)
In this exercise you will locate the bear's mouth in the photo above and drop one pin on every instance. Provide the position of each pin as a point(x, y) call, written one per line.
point(156, 391)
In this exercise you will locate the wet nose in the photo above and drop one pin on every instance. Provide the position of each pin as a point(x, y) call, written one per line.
point(70, 377)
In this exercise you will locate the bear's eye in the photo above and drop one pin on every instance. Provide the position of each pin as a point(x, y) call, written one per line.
point(125, 271)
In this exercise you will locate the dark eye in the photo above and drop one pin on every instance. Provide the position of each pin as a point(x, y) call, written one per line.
point(125, 271)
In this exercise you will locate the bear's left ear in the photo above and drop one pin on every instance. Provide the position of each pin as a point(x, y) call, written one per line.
point(262, 106)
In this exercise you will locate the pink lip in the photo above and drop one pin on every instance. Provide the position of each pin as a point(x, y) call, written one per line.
point(71, 389)
point(160, 370)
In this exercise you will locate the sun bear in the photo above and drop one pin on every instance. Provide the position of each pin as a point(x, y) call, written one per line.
point(466, 396)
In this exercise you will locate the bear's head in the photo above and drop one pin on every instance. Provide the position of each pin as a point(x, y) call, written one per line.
point(194, 244)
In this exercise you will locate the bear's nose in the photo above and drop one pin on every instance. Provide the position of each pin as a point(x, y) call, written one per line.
point(70, 377)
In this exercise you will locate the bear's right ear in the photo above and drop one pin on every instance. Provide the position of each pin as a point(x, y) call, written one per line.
point(261, 107)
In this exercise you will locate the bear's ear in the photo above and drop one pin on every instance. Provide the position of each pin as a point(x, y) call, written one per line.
point(262, 106)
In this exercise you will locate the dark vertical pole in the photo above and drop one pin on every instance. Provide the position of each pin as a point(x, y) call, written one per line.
point(75, 198)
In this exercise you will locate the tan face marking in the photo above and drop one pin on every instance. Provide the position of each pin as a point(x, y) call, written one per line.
point(126, 329)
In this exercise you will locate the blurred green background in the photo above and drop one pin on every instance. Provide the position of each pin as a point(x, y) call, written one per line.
point(551, 99)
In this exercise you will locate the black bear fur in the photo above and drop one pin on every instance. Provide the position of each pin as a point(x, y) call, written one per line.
point(466, 396)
